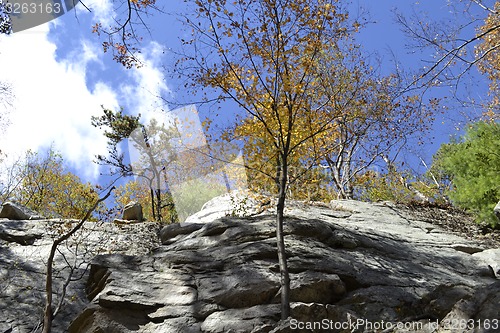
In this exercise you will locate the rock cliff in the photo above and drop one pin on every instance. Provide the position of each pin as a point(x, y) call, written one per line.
point(24, 249)
point(355, 267)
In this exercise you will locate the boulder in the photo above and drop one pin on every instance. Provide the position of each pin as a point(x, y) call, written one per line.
point(15, 211)
point(491, 259)
point(133, 212)
point(171, 231)
point(19, 232)
point(480, 308)
point(496, 210)
point(236, 203)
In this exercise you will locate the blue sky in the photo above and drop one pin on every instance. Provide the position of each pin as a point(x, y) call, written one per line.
point(61, 77)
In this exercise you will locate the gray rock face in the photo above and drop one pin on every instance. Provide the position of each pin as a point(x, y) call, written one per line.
point(491, 258)
point(14, 211)
point(357, 262)
point(351, 265)
point(133, 212)
point(24, 249)
point(19, 232)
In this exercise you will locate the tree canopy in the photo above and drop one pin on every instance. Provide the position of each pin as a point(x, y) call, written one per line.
point(42, 183)
point(487, 52)
point(262, 56)
point(472, 165)
point(153, 146)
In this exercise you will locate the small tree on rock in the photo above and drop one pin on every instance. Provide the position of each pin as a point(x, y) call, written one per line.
point(262, 56)
point(154, 146)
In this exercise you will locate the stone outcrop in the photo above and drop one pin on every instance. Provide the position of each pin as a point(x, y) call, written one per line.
point(236, 203)
point(24, 249)
point(14, 211)
point(133, 212)
point(351, 263)
point(490, 257)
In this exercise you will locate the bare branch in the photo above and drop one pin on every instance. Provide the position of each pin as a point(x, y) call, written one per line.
point(49, 311)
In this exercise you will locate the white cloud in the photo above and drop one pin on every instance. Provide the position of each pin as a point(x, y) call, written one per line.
point(148, 84)
point(102, 11)
point(86, 54)
point(56, 93)
point(53, 104)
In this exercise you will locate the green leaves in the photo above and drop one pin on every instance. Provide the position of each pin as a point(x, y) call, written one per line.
point(118, 125)
point(473, 166)
point(151, 148)
point(48, 188)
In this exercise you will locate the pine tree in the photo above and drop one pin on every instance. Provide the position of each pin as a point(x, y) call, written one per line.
point(472, 165)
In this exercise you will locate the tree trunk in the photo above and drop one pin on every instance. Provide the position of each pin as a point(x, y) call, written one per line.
point(392, 168)
point(153, 200)
point(158, 205)
point(157, 190)
point(280, 207)
point(48, 314)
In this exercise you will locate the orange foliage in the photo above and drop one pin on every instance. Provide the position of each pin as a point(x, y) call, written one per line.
point(489, 54)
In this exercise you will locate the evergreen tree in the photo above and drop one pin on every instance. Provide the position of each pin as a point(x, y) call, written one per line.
point(153, 144)
point(472, 165)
